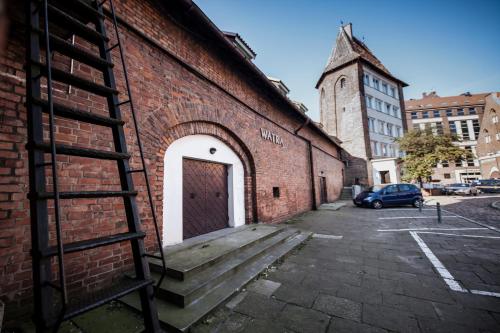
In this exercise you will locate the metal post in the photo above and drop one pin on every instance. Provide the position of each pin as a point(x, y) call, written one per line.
point(420, 203)
point(438, 207)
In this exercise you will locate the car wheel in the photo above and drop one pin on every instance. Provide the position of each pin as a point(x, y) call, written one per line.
point(474, 194)
point(416, 203)
point(377, 204)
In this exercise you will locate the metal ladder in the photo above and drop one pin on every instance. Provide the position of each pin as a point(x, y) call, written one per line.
point(39, 13)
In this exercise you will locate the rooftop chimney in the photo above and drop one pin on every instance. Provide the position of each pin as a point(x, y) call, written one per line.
point(348, 29)
point(430, 94)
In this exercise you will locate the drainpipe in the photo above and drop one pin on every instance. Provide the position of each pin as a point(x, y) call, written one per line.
point(311, 162)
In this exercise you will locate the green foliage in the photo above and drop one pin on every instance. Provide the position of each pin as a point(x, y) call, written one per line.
point(425, 150)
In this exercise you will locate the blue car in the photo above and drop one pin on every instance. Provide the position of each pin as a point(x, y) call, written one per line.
point(379, 196)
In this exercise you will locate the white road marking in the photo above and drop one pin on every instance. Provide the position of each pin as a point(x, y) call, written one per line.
point(405, 209)
point(327, 236)
point(446, 234)
point(412, 217)
point(424, 229)
point(485, 293)
point(472, 221)
point(438, 265)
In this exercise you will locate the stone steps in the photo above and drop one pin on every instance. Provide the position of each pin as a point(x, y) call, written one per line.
point(187, 263)
point(181, 303)
point(346, 193)
point(183, 293)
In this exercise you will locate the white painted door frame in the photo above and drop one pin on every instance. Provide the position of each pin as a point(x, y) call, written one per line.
point(198, 147)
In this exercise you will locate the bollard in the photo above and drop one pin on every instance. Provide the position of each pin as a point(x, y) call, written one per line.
point(420, 203)
point(438, 206)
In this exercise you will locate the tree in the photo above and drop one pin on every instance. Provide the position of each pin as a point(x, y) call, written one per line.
point(424, 151)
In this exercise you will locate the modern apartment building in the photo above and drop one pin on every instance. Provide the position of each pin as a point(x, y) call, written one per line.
point(488, 143)
point(459, 115)
point(361, 103)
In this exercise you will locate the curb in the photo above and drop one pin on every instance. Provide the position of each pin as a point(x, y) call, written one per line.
point(496, 205)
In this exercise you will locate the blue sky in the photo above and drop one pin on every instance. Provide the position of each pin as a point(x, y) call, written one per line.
point(447, 46)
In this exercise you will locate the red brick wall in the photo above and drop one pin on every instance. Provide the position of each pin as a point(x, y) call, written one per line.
point(201, 94)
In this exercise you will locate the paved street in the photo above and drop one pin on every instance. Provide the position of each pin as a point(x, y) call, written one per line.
point(392, 270)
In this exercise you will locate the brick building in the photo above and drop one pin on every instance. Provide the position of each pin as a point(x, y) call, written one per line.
point(459, 115)
point(199, 99)
point(361, 104)
point(488, 142)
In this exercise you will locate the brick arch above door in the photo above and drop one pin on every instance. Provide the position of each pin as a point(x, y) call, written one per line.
point(219, 137)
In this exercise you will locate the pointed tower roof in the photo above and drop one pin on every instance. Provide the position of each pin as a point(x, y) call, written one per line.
point(349, 49)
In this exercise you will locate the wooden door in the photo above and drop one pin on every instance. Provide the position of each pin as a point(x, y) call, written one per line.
point(205, 197)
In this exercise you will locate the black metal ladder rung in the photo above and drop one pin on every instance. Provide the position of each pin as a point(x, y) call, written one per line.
point(77, 53)
point(85, 194)
point(80, 115)
point(62, 76)
point(93, 243)
point(84, 8)
point(80, 29)
point(82, 152)
point(97, 299)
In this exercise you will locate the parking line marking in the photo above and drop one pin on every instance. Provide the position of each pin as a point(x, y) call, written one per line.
point(424, 229)
point(470, 236)
point(327, 236)
point(412, 217)
point(438, 265)
point(485, 293)
point(405, 209)
point(472, 221)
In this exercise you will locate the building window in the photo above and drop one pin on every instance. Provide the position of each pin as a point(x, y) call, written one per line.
point(378, 105)
point(494, 117)
point(435, 114)
point(342, 82)
point(445, 164)
point(497, 136)
point(453, 128)
point(477, 127)
point(276, 192)
point(369, 101)
point(385, 88)
point(398, 132)
point(371, 124)
point(425, 114)
point(389, 129)
point(381, 126)
point(447, 176)
point(387, 108)
point(449, 113)
point(396, 112)
point(414, 115)
point(376, 84)
point(393, 92)
point(384, 149)
point(487, 139)
point(439, 128)
point(460, 112)
point(416, 127)
point(472, 110)
point(366, 79)
point(470, 160)
point(465, 130)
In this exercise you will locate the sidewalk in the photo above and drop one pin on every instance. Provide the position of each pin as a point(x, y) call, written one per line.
point(371, 281)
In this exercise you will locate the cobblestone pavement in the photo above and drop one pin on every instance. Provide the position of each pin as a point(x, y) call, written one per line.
point(377, 277)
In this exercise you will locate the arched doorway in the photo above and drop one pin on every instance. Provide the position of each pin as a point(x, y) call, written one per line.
point(200, 173)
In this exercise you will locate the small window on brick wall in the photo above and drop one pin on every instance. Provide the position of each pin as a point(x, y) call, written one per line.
point(447, 176)
point(276, 192)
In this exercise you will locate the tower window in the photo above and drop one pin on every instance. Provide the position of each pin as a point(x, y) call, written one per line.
point(342, 82)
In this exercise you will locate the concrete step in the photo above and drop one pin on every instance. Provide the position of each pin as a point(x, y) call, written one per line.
point(183, 264)
point(180, 319)
point(183, 293)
